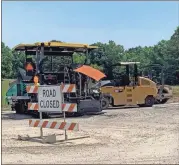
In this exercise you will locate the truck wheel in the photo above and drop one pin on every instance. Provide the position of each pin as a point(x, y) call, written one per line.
point(20, 108)
point(149, 101)
point(17, 108)
point(105, 103)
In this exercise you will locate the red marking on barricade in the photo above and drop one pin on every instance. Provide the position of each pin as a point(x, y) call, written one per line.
point(54, 125)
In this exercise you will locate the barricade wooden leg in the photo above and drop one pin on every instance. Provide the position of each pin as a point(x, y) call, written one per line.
point(41, 130)
point(66, 137)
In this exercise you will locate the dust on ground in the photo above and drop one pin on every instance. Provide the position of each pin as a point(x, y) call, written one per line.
point(135, 135)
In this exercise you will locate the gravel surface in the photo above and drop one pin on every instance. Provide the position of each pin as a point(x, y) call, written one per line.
point(135, 135)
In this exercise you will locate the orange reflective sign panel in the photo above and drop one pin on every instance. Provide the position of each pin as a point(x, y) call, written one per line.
point(90, 72)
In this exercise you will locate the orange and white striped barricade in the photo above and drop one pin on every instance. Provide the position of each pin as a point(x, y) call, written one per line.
point(66, 107)
point(66, 88)
point(54, 125)
point(50, 99)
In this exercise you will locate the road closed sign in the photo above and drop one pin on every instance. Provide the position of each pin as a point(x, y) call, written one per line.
point(50, 99)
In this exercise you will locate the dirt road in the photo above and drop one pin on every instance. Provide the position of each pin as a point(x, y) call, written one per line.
point(137, 135)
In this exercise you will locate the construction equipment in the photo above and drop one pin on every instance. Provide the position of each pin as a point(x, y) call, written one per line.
point(128, 90)
point(155, 72)
point(51, 63)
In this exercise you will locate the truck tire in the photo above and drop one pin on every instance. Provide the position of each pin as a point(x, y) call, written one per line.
point(105, 103)
point(149, 102)
point(19, 108)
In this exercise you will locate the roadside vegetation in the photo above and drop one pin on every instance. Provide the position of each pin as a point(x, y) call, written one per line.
point(165, 53)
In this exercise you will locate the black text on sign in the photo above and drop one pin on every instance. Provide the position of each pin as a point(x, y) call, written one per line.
point(50, 99)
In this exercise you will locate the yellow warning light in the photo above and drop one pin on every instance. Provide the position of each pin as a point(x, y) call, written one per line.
point(36, 79)
point(29, 67)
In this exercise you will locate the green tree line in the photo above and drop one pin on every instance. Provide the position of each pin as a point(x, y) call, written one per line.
point(165, 53)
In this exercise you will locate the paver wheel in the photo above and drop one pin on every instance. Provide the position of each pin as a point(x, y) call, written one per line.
point(19, 108)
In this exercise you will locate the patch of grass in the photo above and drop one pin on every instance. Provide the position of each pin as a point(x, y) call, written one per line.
point(4, 88)
point(175, 91)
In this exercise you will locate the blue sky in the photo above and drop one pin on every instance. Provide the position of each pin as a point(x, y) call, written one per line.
point(127, 23)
